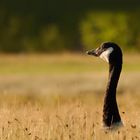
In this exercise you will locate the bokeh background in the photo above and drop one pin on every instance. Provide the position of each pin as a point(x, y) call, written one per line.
point(52, 26)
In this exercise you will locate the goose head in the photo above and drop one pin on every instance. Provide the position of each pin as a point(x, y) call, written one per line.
point(109, 52)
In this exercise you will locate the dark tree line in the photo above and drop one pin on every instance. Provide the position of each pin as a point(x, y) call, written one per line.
point(52, 25)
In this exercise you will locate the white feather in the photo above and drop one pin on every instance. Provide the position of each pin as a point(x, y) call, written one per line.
point(105, 55)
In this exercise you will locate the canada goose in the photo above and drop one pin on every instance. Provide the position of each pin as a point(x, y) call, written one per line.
point(111, 53)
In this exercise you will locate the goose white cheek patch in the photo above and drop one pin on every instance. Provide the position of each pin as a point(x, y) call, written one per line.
point(105, 55)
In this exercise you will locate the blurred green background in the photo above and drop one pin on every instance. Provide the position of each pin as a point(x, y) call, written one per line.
point(67, 25)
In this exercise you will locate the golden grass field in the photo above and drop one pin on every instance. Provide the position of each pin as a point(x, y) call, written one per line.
point(60, 97)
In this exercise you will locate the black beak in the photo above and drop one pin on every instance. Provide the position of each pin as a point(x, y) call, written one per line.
point(92, 52)
point(95, 52)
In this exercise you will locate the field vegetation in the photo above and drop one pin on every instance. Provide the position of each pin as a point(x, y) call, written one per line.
point(60, 97)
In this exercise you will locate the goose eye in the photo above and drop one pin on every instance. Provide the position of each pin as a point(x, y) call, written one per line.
point(106, 53)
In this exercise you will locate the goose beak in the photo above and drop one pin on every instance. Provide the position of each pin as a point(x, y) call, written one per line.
point(92, 52)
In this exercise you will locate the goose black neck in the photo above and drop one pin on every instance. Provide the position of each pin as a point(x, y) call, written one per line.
point(111, 113)
point(114, 74)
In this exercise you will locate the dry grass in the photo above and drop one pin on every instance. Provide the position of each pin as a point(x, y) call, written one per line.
point(65, 118)
point(62, 103)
